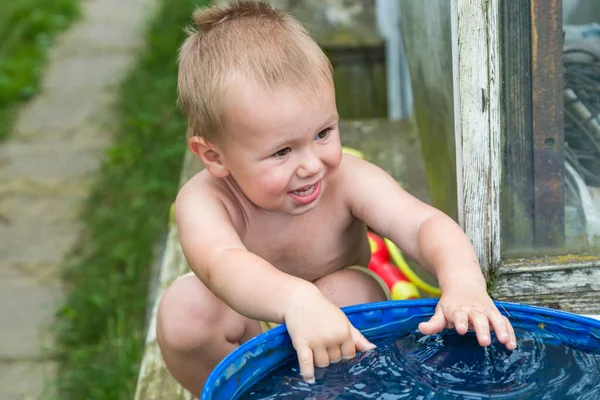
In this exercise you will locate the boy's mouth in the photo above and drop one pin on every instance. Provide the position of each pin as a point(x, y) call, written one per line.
point(306, 194)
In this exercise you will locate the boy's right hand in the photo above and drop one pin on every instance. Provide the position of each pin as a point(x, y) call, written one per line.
point(321, 334)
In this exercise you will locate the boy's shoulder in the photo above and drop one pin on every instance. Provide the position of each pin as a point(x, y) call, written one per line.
point(207, 198)
point(350, 166)
point(356, 174)
point(347, 174)
point(202, 188)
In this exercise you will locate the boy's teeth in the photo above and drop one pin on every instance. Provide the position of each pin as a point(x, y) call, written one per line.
point(305, 191)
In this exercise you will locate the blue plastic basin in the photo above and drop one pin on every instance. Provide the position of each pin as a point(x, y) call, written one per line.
point(258, 357)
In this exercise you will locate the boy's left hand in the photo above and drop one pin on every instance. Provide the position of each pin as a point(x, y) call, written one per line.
point(469, 309)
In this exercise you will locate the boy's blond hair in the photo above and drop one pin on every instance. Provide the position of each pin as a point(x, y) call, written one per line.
point(247, 42)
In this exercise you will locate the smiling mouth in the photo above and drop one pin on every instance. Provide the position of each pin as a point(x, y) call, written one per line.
point(306, 190)
point(306, 194)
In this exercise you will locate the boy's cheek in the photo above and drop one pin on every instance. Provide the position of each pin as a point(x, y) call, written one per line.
point(268, 186)
point(335, 160)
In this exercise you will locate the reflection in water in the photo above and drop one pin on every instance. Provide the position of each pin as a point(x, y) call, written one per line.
point(447, 366)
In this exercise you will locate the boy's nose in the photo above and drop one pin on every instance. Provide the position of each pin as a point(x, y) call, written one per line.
point(310, 165)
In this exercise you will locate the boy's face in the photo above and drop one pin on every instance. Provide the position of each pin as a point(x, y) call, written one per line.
point(281, 148)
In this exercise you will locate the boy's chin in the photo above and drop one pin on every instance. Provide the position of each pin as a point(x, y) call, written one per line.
point(292, 209)
point(290, 206)
point(299, 209)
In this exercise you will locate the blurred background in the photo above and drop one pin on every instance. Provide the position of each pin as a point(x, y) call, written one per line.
point(92, 146)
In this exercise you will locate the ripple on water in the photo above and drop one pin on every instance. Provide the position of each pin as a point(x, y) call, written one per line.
point(447, 366)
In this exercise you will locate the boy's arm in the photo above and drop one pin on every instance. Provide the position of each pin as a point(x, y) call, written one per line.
point(217, 256)
point(436, 242)
point(256, 289)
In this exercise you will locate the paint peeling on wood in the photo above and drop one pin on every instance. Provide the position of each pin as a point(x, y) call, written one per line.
point(566, 261)
point(570, 282)
point(585, 303)
point(477, 105)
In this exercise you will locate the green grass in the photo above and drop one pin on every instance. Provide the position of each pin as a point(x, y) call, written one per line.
point(99, 331)
point(27, 29)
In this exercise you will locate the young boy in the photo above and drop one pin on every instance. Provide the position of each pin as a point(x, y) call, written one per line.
point(275, 223)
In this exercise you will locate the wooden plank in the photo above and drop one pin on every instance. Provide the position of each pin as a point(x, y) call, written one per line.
point(586, 303)
point(359, 75)
point(477, 81)
point(573, 281)
point(426, 32)
point(568, 282)
point(548, 122)
point(347, 31)
point(517, 144)
point(154, 380)
point(550, 263)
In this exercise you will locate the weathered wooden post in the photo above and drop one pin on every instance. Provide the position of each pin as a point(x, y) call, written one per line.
point(346, 30)
point(426, 32)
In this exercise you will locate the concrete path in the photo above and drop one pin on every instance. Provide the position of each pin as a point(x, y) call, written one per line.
point(46, 169)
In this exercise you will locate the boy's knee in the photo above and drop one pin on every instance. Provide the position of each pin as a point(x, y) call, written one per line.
point(348, 287)
point(184, 316)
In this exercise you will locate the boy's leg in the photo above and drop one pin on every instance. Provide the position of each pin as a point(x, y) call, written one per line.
point(196, 330)
point(348, 286)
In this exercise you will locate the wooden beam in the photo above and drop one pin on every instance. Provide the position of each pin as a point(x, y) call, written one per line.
point(426, 33)
point(154, 380)
point(517, 140)
point(548, 123)
point(569, 283)
point(477, 103)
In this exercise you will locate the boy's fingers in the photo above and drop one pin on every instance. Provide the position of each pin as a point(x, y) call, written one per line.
point(504, 330)
point(460, 319)
point(435, 324)
point(335, 354)
point(361, 343)
point(348, 350)
point(321, 357)
point(481, 325)
point(499, 323)
point(512, 342)
point(305, 362)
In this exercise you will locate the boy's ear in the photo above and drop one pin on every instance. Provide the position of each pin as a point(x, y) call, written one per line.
point(209, 154)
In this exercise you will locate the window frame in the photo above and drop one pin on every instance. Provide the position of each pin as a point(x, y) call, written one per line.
point(482, 114)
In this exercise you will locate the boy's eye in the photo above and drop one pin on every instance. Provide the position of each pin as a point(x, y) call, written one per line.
point(282, 152)
point(323, 134)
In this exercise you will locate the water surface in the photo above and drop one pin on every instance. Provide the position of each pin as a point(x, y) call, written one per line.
point(447, 366)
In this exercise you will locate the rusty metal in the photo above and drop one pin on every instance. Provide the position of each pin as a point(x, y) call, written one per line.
point(548, 122)
point(517, 197)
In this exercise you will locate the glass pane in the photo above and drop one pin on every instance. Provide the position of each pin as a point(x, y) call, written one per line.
point(551, 174)
point(581, 19)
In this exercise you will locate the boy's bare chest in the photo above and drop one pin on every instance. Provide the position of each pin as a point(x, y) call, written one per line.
point(308, 246)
